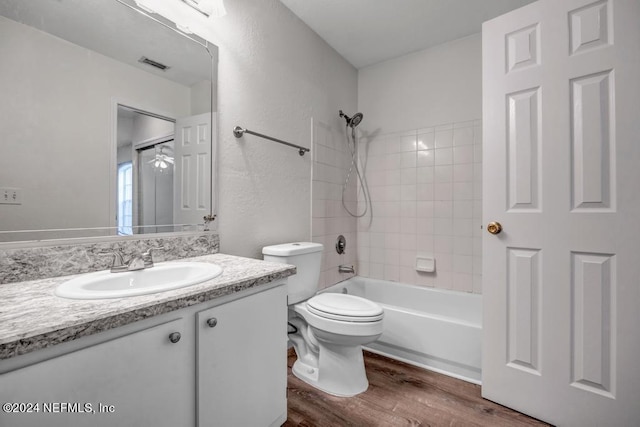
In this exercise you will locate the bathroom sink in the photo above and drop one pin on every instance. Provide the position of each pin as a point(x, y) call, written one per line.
point(162, 277)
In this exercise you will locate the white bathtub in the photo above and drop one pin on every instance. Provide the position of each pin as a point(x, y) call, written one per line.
point(436, 329)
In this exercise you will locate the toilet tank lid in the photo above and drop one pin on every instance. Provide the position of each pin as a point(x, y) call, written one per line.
point(288, 249)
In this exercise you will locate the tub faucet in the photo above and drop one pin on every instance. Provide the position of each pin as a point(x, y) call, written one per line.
point(346, 269)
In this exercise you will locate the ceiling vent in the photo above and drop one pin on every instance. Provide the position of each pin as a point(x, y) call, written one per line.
point(153, 63)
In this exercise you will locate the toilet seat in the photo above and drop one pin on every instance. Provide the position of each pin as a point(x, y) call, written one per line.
point(346, 308)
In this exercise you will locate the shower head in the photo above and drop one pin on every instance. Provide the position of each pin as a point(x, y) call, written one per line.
point(352, 121)
point(355, 120)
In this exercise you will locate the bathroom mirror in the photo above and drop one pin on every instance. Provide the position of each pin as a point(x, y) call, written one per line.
point(107, 121)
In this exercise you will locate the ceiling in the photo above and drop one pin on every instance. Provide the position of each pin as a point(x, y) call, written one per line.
point(366, 32)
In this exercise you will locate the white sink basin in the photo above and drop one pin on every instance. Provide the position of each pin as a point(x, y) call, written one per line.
point(162, 277)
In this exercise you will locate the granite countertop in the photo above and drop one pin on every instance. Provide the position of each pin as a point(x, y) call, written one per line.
point(32, 317)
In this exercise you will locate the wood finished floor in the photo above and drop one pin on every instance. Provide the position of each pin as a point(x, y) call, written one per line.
point(399, 395)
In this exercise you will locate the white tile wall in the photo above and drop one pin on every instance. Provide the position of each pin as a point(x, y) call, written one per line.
point(331, 161)
point(426, 191)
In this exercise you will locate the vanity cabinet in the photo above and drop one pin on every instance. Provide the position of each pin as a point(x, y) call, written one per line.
point(241, 380)
point(230, 374)
point(138, 379)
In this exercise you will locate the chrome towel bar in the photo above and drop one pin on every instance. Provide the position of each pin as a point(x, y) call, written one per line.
point(239, 131)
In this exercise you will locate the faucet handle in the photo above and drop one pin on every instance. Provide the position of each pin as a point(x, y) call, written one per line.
point(147, 257)
point(118, 261)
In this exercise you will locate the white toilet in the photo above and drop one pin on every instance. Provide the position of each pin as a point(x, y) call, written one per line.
point(327, 330)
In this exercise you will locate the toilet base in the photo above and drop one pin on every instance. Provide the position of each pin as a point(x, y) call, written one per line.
point(340, 371)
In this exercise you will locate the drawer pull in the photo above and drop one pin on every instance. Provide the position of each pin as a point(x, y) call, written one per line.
point(174, 337)
point(212, 322)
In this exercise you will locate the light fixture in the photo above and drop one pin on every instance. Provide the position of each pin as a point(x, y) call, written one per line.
point(144, 6)
point(209, 8)
point(161, 161)
point(184, 28)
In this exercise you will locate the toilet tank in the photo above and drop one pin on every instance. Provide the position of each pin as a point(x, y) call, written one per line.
point(307, 257)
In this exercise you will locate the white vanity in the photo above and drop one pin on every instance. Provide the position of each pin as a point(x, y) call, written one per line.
point(213, 354)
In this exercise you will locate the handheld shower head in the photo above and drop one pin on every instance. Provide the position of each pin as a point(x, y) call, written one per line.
point(352, 121)
point(355, 120)
point(352, 147)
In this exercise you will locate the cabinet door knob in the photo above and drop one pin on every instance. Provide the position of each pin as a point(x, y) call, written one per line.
point(174, 337)
point(212, 322)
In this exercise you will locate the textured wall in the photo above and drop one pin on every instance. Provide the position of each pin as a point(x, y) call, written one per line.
point(275, 75)
point(433, 86)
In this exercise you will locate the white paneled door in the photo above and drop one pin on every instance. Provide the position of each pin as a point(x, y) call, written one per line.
point(561, 83)
point(192, 176)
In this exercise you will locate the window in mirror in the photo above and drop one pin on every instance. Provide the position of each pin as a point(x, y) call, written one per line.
point(125, 198)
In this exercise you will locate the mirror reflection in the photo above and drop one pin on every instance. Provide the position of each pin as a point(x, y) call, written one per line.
point(145, 152)
point(106, 123)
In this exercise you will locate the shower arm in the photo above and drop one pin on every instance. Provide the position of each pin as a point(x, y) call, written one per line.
point(238, 132)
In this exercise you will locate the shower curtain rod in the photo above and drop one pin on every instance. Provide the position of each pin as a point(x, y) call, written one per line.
point(239, 131)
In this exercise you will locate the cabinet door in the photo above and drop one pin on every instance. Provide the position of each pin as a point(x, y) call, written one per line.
point(141, 379)
point(242, 362)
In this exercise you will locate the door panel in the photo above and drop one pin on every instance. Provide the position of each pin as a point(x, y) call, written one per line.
point(523, 150)
point(591, 142)
point(193, 160)
point(523, 309)
point(593, 326)
point(561, 152)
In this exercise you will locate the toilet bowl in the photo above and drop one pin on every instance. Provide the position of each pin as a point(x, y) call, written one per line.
point(338, 335)
point(327, 330)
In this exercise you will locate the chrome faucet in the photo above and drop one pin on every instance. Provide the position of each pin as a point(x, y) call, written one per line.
point(346, 269)
point(136, 262)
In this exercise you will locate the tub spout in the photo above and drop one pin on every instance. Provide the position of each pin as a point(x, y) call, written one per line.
point(346, 269)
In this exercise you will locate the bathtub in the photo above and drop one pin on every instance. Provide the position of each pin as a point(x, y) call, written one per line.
point(435, 329)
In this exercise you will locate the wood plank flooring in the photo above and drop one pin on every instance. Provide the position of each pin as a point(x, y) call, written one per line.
point(399, 395)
